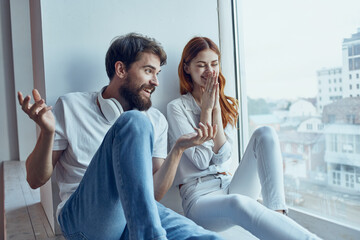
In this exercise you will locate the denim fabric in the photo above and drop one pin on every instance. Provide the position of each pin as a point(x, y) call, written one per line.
point(115, 199)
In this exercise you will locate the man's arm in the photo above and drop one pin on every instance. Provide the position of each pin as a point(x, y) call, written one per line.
point(164, 171)
point(40, 163)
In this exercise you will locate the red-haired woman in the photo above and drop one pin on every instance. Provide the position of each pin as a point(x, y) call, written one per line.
point(210, 195)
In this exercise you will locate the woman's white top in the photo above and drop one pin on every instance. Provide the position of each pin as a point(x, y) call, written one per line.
point(183, 115)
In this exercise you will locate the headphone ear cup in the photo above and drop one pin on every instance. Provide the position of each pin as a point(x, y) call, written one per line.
point(109, 108)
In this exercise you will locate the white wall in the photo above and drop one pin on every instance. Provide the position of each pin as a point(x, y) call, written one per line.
point(8, 141)
point(75, 39)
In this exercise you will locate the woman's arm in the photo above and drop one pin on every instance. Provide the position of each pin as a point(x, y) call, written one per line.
point(179, 124)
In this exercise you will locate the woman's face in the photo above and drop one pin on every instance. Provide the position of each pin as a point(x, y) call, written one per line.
point(202, 66)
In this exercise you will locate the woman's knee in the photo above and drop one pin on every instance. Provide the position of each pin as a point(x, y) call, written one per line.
point(238, 202)
point(266, 134)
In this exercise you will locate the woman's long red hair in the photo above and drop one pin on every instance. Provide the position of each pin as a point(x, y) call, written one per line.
point(229, 105)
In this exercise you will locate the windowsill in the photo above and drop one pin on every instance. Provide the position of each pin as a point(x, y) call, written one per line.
point(324, 228)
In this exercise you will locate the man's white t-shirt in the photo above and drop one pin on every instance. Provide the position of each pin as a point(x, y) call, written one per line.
point(80, 129)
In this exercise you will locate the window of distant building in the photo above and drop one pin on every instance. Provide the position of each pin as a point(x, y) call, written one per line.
point(329, 80)
point(340, 88)
point(357, 86)
point(350, 118)
point(350, 86)
point(288, 148)
point(300, 148)
point(340, 80)
point(334, 89)
point(329, 89)
point(357, 75)
point(357, 63)
point(320, 126)
point(334, 80)
point(331, 118)
point(356, 49)
point(309, 126)
point(350, 76)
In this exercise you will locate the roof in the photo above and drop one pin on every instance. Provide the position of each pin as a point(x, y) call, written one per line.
point(342, 129)
point(265, 119)
point(300, 137)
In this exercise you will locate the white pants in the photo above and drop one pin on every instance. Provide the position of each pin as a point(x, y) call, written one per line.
point(219, 202)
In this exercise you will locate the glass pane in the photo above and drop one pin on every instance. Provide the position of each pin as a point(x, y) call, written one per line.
point(309, 55)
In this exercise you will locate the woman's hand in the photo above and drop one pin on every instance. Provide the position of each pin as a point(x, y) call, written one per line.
point(217, 107)
point(208, 101)
point(39, 112)
point(202, 134)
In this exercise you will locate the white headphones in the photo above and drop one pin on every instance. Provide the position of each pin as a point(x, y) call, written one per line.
point(111, 108)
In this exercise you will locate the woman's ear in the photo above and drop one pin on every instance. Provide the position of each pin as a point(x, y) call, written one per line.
point(186, 68)
point(120, 69)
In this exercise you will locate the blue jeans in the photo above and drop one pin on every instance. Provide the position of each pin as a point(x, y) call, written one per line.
point(115, 198)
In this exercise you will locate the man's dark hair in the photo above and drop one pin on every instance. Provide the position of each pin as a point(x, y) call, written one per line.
point(128, 49)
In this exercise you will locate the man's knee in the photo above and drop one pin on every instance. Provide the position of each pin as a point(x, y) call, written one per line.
point(134, 122)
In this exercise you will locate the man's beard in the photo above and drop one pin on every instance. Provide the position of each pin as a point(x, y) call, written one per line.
point(132, 96)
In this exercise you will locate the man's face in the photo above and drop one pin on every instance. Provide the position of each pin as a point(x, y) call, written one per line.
point(141, 81)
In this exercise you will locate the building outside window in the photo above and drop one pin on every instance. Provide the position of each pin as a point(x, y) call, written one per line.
point(321, 163)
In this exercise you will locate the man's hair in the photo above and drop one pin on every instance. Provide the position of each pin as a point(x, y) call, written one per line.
point(128, 49)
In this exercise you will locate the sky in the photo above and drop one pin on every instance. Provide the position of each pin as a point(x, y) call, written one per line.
point(287, 41)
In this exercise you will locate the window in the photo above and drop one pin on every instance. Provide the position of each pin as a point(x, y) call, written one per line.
point(351, 65)
point(337, 149)
point(309, 126)
point(357, 86)
point(357, 63)
point(350, 118)
point(356, 49)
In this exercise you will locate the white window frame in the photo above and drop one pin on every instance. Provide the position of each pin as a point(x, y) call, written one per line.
point(323, 227)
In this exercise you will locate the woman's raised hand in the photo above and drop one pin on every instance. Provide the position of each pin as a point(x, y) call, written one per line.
point(38, 111)
point(210, 94)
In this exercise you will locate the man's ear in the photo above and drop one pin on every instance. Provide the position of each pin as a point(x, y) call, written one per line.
point(186, 68)
point(120, 69)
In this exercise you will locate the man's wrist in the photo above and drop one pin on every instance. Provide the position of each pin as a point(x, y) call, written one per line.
point(178, 149)
point(47, 133)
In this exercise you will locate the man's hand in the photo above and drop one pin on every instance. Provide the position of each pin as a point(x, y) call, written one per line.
point(39, 111)
point(203, 133)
